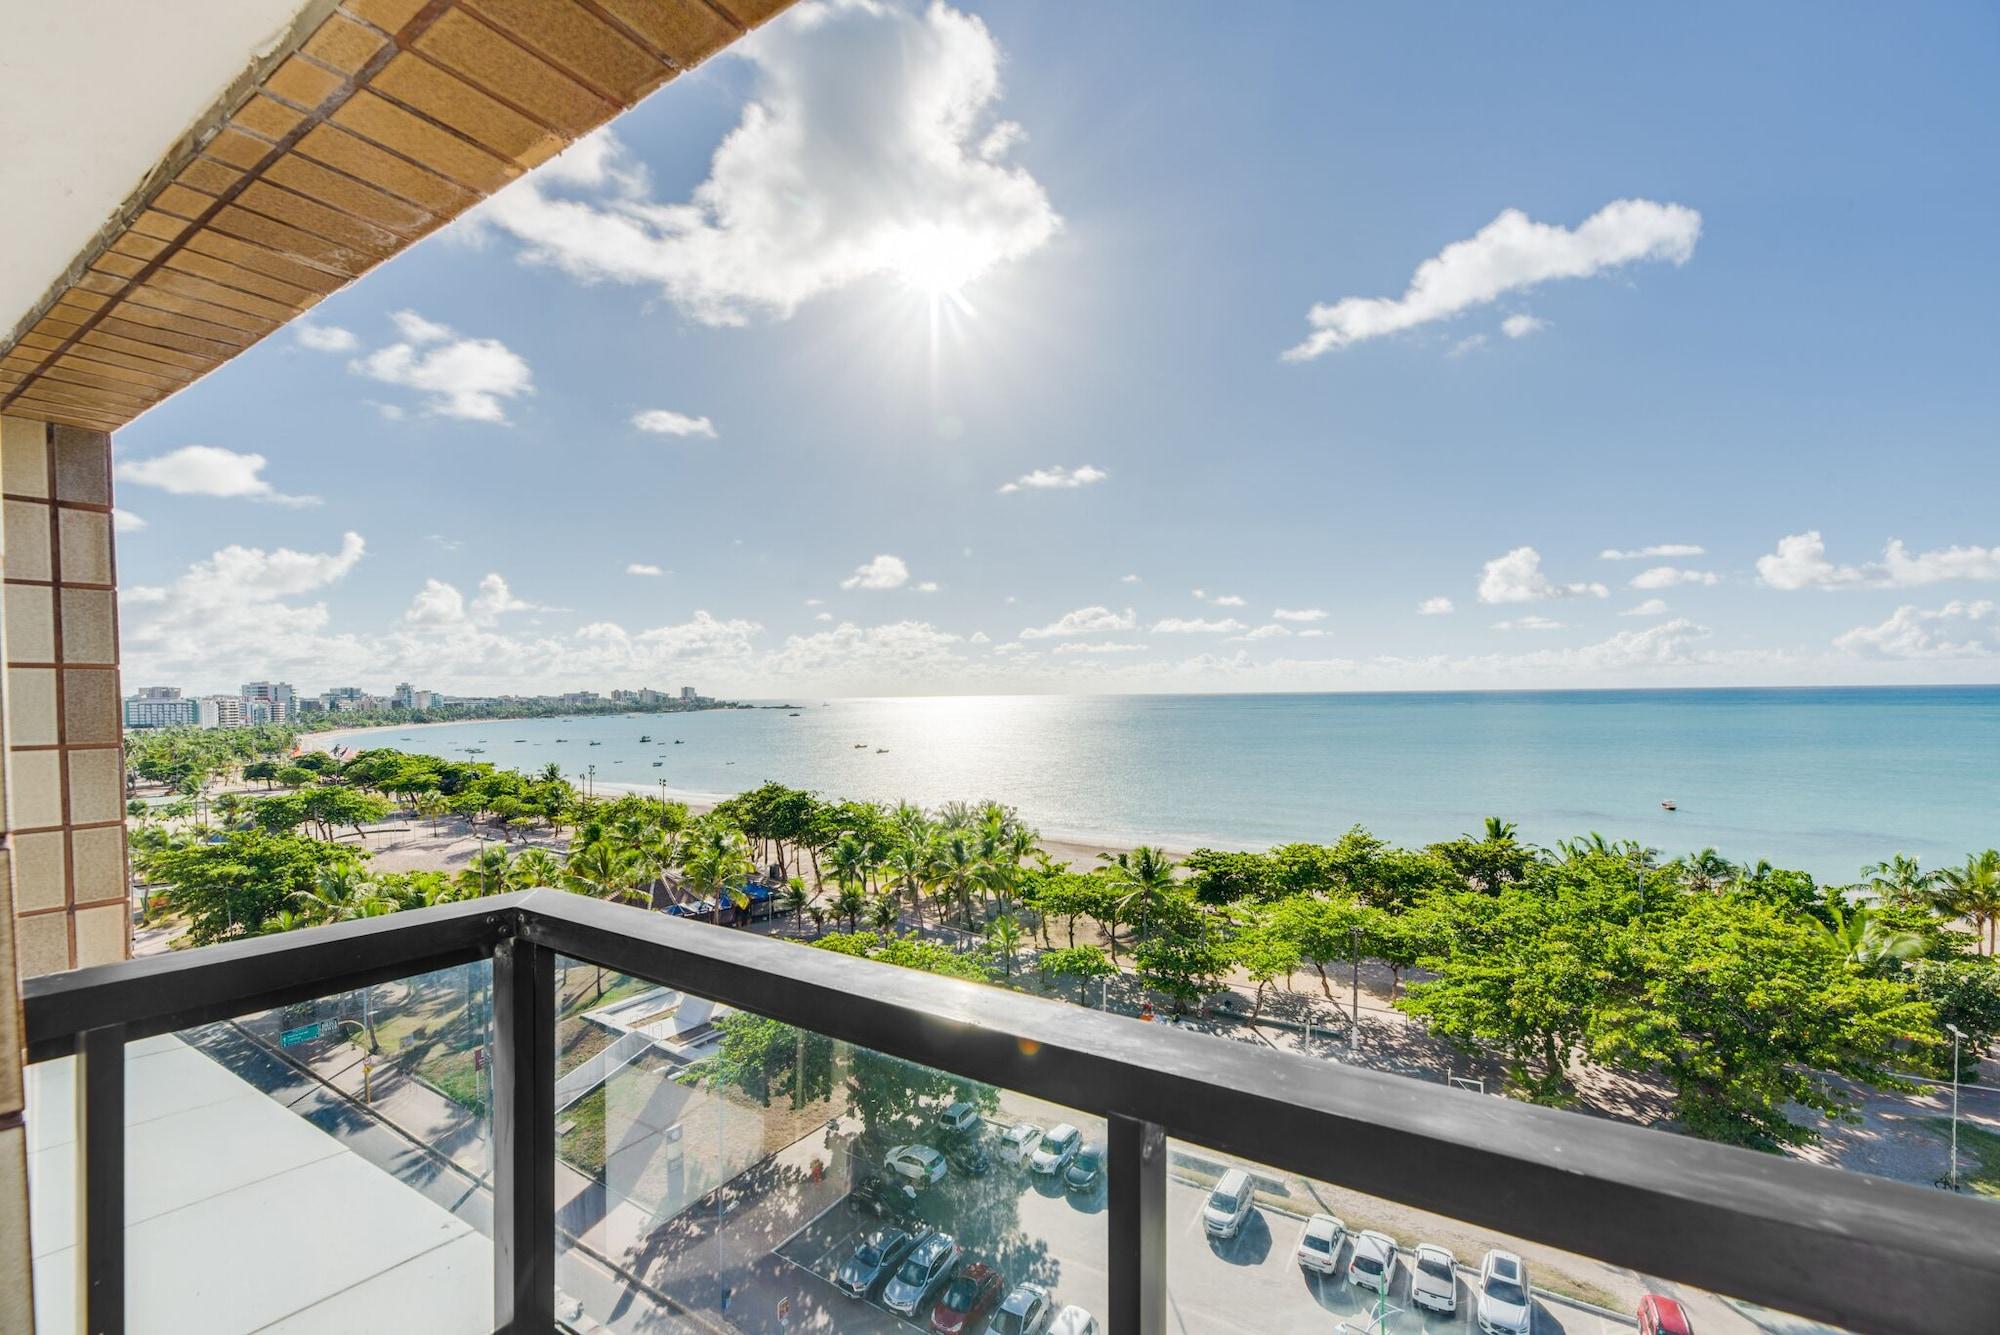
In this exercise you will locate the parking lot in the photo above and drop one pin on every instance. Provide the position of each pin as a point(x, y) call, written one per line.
point(1028, 1228)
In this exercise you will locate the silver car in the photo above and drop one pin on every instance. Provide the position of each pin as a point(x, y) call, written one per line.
point(1228, 1205)
point(1058, 1147)
point(1434, 1279)
point(922, 1274)
point(1505, 1307)
point(1027, 1311)
point(875, 1257)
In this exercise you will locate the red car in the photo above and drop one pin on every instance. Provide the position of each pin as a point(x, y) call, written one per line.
point(1662, 1316)
point(966, 1300)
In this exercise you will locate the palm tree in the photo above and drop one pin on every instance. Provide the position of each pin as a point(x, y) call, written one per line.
point(1500, 831)
point(883, 913)
point(716, 858)
point(534, 868)
point(342, 895)
point(797, 899)
point(1004, 935)
point(486, 873)
point(598, 869)
point(958, 870)
point(1864, 941)
point(1900, 880)
point(909, 864)
point(1144, 877)
point(1707, 870)
point(431, 805)
point(849, 904)
point(1973, 892)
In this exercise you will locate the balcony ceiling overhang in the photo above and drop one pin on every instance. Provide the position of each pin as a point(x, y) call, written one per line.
point(187, 186)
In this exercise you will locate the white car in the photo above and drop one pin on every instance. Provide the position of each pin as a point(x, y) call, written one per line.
point(1373, 1264)
point(1228, 1205)
point(1075, 1321)
point(923, 1272)
point(1020, 1142)
point(1057, 1149)
point(1026, 1312)
point(919, 1165)
point(1434, 1278)
point(958, 1119)
point(1319, 1243)
point(1504, 1307)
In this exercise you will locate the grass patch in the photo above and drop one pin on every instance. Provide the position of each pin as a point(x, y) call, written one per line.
point(1978, 1155)
point(582, 1146)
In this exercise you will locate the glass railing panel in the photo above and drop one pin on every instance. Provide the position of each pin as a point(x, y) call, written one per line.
point(724, 1170)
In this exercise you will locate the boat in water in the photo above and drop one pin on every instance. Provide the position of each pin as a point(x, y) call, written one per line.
point(1670, 805)
point(645, 736)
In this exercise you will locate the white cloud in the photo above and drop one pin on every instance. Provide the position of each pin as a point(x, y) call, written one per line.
point(449, 544)
point(1057, 478)
point(980, 637)
point(1227, 600)
point(823, 616)
point(1652, 607)
point(815, 602)
point(464, 378)
point(325, 337)
point(1520, 326)
point(1101, 647)
point(1083, 621)
point(208, 470)
point(1650, 553)
point(1470, 343)
point(927, 586)
point(1435, 607)
point(124, 521)
point(666, 422)
point(1800, 563)
point(1517, 578)
point(1299, 614)
point(644, 568)
point(869, 149)
point(1667, 577)
point(884, 572)
point(1196, 626)
point(1528, 623)
point(1269, 631)
point(1128, 579)
point(1913, 632)
point(1510, 254)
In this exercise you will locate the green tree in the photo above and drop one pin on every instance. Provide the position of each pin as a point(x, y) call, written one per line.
point(1972, 892)
point(1083, 963)
point(232, 887)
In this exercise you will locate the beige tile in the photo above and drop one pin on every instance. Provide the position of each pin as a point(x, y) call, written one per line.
point(31, 623)
point(41, 943)
point(17, 1298)
point(83, 466)
point(34, 786)
point(100, 934)
point(91, 709)
point(96, 784)
point(97, 858)
point(10, 1017)
point(24, 537)
point(86, 546)
point(89, 626)
point(31, 707)
point(39, 862)
point(24, 457)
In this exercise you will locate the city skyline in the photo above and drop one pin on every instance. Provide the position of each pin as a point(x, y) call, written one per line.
point(1504, 376)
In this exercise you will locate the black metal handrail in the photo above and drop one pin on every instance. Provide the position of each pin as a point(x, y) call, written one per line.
point(1859, 1251)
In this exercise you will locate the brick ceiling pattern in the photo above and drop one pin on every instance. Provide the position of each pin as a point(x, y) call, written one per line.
point(387, 120)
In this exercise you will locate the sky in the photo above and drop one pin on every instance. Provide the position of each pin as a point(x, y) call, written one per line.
point(1043, 347)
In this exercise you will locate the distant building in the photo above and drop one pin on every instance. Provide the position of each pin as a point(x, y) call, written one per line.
point(406, 696)
point(277, 696)
point(688, 695)
point(160, 707)
point(345, 697)
point(221, 711)
point(581, 697)
point(643, 696)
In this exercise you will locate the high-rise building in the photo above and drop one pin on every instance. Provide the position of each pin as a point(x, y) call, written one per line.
point(277, 694)
point(688, 696)
point(221, 711)
point(160, 707)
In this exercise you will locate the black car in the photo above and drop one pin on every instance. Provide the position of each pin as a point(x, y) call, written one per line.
point(1086, 1170)
point(969, 1157)
point(881, 1196)
point(875, 1258)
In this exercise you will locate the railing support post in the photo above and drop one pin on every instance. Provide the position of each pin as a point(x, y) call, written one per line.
point(524, 1138)
point(1136, 1171)
point(100, 1179)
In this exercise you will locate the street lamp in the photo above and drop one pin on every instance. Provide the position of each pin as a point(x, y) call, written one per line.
point(1956, 1035)
point(1354, 991)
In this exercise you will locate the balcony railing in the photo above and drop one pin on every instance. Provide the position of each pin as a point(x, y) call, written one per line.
point(1857, 1251)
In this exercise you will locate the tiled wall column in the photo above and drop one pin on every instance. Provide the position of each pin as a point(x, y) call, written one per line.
point(65, 771)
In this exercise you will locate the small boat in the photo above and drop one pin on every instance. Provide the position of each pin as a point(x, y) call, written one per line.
point(1670, 805)
point(881, 750)
point(792, 715)
point(658, 763)
point(677, 741)
point(597, 743)
point(645, 736)
point(861, 746)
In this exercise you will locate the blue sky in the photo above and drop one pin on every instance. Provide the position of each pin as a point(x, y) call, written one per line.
point(1715, 279)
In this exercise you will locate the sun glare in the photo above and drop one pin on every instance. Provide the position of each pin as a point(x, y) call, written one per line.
point(936, 262)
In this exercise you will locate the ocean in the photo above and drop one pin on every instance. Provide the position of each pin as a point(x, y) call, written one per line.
point(1826, 780)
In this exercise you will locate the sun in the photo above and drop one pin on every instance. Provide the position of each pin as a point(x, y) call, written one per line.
point(936, 261)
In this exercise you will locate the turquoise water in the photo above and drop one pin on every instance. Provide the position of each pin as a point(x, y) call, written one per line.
point(1825, 780)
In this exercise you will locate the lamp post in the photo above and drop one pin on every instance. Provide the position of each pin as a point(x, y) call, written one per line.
point(1956, 1035)
point(1354, 991)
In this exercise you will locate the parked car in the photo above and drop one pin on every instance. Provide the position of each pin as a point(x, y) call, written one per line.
point(1228, 1205)
point(875, 1258)
point(1373, 1263)
point(1085, 1171)
point(967, 1299)
point(1026, 1312)
point(958, 1119)
point(923, 1272)
point(1661, 1315)
point(921, 1165)
point(1019, 1143)
point(1074, 1321)
point(968, 1157)
point(1434, 1278)
point(1058, 1147)
point(1319, 1243)
point(881, 1196)
point(1504, 1306)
